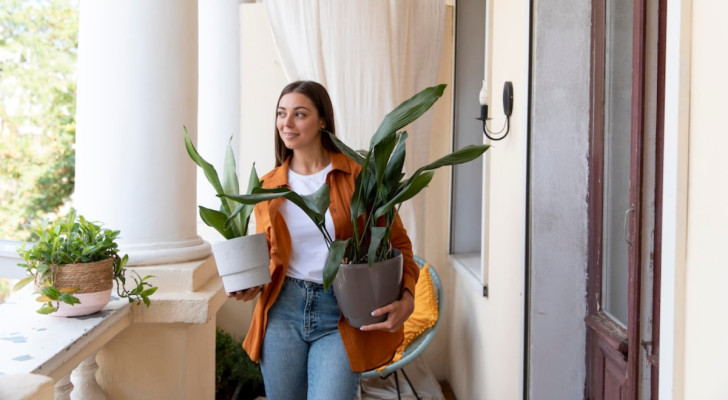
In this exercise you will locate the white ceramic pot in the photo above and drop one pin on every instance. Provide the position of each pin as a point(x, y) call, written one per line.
point(359, 289)
point(90, 303)
point(242, 262)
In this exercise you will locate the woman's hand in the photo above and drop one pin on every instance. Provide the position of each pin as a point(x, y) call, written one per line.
point(398, 312)
point(247, 294)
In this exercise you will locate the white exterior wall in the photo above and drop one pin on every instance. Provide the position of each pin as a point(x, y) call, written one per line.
point(486, 334)
point(706, 268)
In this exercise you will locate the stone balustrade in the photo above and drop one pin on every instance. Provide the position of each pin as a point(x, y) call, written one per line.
point(63, 349)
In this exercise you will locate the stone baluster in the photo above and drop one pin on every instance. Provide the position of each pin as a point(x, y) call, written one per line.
point(84, 381)
point(63, 388)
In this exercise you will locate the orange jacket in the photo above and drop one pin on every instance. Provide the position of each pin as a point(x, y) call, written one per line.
point(366, 350)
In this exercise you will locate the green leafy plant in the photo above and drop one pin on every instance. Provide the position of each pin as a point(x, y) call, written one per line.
point(74, 240)
point(380, 188)
point(237, 377)
point(232, 219)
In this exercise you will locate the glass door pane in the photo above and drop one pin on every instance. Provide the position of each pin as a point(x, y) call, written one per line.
point(617, 134)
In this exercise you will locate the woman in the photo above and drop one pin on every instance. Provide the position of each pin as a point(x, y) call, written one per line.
point(305, 348)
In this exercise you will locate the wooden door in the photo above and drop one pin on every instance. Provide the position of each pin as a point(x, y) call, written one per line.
point(624, 198)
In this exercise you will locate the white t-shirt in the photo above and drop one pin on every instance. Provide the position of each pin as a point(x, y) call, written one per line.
point(308, 247)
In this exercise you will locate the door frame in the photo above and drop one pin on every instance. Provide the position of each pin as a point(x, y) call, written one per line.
point(613, 339)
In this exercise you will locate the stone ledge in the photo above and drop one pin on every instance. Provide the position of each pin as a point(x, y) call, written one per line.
point(182, 277)
point(26, 387)
point(183, 307)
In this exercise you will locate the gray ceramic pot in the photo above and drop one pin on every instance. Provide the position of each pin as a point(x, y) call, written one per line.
point(359, 290)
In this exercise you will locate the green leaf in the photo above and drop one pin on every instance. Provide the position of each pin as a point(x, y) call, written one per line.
point(393, 173)
point(466, 154)
point(21, 283)
point(46, 309)
point(230, 183)
point(413, 186)
point(309, 205)
point(69, 299)
point(149, 292)
point(378, 233)
point(207, 168)
point(382, 152)
point(407, 112)
point(354, 155)
point(216, 219)
point(333, 261)
point(51, 292)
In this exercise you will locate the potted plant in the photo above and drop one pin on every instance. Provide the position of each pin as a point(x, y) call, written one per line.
point(243, 259)
point(380, 191)
point(73, 264)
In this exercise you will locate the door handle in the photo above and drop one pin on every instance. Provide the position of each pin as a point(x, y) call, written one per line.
point(627, 237)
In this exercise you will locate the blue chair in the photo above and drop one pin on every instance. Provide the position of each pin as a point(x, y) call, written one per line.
point(418, 345)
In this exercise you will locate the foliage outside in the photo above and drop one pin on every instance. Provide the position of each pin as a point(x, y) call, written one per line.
point(237, 377)
point(38, 50)
point(72, 240)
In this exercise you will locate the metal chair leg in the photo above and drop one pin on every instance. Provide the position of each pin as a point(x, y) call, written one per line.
point(410, 385)
point(396, 382)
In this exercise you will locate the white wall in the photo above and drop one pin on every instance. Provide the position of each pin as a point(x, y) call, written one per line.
point(706, 268)
point(486, 346)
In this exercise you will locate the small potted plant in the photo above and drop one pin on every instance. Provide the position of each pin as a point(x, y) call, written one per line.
point(243, 259)
point(73, 263)
point(368, 257)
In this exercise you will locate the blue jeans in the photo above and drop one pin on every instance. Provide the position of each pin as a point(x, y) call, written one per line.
point(303, 355)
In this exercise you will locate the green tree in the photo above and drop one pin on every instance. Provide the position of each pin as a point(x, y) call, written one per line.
point(38, 51)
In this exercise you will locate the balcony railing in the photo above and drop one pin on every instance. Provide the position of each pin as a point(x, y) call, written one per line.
point(63, 349)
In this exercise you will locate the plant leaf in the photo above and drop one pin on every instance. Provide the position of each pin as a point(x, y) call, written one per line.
point(413, 186)
point(46, 309)
point(466, 154)
point(207, 168)
point(353, 154)
point(378, 233)
point(333, 261)
point(21, 283)
point(216, 219)
point(230, 184)
point(393, 173)
point(382, 152)
point(407, 112)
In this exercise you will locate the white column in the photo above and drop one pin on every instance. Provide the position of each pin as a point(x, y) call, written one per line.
point(137, 88)
point(219, 89)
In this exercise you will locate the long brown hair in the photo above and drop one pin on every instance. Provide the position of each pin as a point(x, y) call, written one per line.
point(321, 100)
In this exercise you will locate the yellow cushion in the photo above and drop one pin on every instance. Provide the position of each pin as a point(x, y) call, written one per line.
point(425, 314)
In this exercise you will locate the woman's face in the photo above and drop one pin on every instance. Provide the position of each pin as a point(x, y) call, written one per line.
point(298, 122)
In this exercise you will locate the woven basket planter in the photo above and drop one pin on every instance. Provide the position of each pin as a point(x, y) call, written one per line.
point(94, 280)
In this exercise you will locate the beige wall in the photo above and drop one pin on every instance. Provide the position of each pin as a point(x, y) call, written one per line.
point(706, 268)
point(486, 346)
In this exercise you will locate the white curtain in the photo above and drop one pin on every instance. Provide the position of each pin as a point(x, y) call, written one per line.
point(370, 55)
